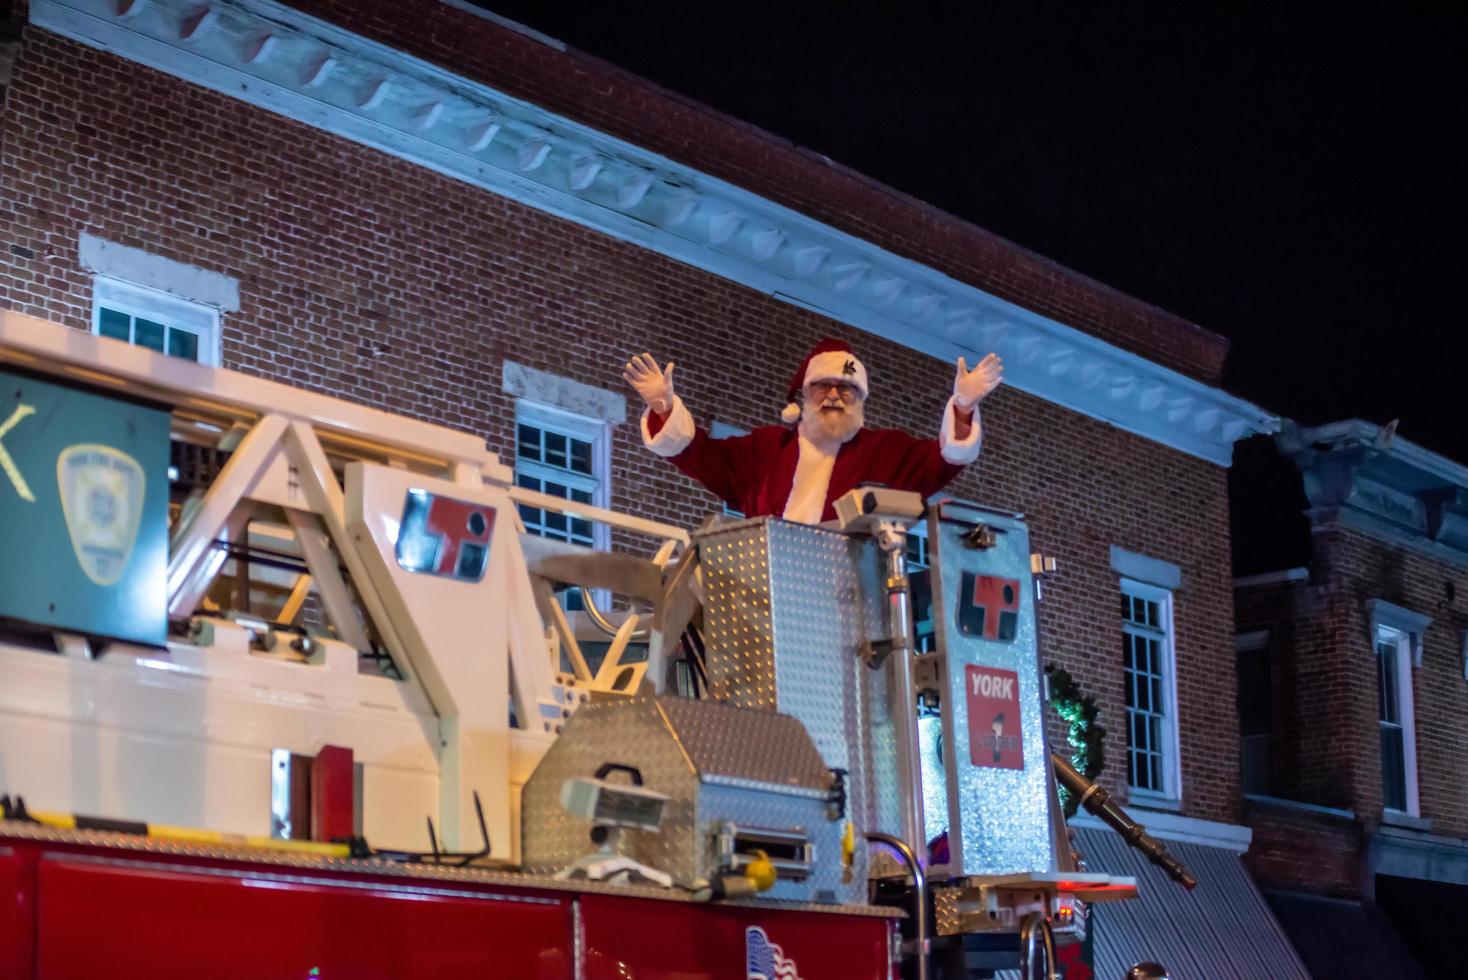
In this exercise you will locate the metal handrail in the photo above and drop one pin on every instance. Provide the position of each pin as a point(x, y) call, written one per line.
point(1029, 926)
point(919, 892)
point(588, 604)
point(612, 518)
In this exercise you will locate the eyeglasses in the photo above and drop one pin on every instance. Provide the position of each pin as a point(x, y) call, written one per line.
point(844, 390)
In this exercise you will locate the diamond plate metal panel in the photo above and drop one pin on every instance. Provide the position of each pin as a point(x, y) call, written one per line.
point(778, 812)
point(787, 609)
point(946, 918)
point(632, 732)
point(718, 763)
point(739, 630)
point(1003, 817)
point(758, 746)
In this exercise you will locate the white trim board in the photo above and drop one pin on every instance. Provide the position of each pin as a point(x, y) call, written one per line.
point(1146, 569)
point(142, 268)
point(563, 393)
point(1171, 826)
point(306, 69)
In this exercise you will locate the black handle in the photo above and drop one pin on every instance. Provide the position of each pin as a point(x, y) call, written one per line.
point(633, 773)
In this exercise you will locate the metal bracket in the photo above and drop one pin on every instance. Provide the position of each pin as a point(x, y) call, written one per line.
point(980, 536)
point(836, 801)
point(874, 653)
point(928, 673)
point(1041, 567)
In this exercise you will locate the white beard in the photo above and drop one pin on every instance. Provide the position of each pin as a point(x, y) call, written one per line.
point(831, 422)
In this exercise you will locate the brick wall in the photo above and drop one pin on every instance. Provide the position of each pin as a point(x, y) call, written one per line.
point(1319, 690)
point(373, 280)
point(1296, 848)
point(1372, 569)
point(1326, 742)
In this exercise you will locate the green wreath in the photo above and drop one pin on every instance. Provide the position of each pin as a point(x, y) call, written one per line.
point(1078, 710)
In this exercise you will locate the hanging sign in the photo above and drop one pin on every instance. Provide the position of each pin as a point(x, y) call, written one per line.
point(83, 511)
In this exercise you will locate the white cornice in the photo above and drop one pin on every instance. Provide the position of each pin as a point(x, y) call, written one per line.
point(277, 58)
point(1297, 442)
point(1366, 477)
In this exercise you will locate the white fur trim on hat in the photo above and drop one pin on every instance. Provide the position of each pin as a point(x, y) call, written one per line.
point(836, 365)
point(790, 414)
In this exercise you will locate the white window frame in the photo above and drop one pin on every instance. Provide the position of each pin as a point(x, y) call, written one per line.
point(1404, 643)
point(174, 312)
point(1170, 795)
point(595, 431)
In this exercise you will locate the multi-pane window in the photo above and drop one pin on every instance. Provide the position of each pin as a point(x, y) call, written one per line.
point(155, 319)
point(175, 340)
point(561, 455)
point(1147, 675)
point(560, 465)
point(1394, 714)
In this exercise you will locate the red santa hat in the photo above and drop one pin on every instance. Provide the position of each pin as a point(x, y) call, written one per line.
point(830, 360)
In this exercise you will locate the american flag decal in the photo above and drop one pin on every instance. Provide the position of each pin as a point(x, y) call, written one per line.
point(764, 960)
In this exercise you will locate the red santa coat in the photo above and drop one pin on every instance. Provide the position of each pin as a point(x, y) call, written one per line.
point(757, 473)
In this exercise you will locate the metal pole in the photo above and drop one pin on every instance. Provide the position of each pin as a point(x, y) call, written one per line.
point(919, 899)
point(1098, 802)
point(1033, 929)
point(904, 699)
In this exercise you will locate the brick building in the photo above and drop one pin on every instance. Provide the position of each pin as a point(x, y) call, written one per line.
point(1352, 685)
point(423, 208)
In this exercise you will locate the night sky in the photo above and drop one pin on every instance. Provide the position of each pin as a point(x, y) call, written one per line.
point(1279, 177)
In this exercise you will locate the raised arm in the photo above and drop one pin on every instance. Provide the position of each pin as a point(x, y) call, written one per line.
point(669, 431)
point(961, 434)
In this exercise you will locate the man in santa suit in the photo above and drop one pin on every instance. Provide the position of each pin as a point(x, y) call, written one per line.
point(797, 470)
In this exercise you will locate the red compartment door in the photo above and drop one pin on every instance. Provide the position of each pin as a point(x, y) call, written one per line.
point(15, 916)
point(627, 939)
point(101, 917)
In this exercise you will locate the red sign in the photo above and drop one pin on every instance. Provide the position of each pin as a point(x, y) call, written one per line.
point(993, 718)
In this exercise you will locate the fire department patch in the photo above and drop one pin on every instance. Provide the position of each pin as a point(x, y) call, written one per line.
point(988, 607)
point(994, 738)
point(102, 499)
point(444, 536)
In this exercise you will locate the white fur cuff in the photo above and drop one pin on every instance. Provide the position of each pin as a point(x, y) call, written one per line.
point(959, 452)
point(676, 433)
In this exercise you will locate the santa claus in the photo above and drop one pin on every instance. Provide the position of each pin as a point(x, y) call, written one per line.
point(797, 470)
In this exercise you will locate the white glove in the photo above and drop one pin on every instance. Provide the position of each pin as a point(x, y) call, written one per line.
point(655, 386)
point(970, 387)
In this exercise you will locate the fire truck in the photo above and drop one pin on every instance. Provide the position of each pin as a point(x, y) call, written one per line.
point(287, 690)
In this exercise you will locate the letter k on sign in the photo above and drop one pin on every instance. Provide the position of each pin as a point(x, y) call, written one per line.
point(7, 465)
